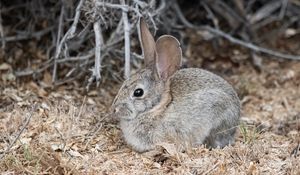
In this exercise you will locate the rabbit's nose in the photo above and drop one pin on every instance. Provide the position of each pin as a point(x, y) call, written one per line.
point(119, 107)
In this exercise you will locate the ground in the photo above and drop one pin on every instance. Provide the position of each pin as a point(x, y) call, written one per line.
point(69, 132)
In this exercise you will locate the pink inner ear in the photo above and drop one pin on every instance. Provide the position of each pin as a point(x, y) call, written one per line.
point(168, 56)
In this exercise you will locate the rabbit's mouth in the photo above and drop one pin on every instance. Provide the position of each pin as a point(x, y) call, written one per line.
point(122, 111)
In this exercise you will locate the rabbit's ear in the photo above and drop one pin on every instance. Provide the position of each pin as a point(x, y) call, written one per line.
point(148, 43)
point(168, 56)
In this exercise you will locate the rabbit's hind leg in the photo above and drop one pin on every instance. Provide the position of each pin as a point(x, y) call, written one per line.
point(224, 140)
point(221, 139)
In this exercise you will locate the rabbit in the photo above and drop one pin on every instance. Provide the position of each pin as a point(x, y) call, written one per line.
point(163, 103)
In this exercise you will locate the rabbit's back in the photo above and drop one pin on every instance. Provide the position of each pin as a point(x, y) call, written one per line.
point(204, 108)
point(193, 79)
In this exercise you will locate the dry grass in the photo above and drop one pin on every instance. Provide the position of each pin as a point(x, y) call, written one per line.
point(64, 135)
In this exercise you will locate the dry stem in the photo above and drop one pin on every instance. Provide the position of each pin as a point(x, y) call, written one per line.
point(19, 133)
point(127, 41)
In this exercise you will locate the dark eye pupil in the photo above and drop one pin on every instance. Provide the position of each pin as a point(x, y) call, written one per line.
point(138, 92)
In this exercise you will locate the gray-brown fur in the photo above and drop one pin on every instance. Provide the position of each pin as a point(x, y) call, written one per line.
point(188, 106)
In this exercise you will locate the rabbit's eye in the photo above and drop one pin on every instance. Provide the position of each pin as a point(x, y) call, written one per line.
point(138, 92)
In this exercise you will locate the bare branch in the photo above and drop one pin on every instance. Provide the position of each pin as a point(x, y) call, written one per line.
point(30, 71)
point(97, 69)
point(283, 8)
point(77, 58)
point(71, 31)
point(265, 11)
point(60, 27)
point(27, 36)
point(76, 19)
point(68, 35)
point(250, 45)
point(232, 39)
point(123, 7)
point(1, 30)
point(127, 41)
point(74, 49)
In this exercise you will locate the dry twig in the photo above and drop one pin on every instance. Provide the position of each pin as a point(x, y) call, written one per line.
point(57, 52)
point(233, 39)
point(36, 35)
point(75, 49)
point(97, 69)
point(1, 31)
point(67, 36)
point(19, 133)
point(127, 41)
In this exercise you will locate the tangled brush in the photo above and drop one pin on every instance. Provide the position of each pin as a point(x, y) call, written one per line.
point(94, 39)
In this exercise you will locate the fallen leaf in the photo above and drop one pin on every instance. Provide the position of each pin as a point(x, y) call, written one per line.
point(170, 148)
point(75, 154)
point(290, 32)
point(5, 66)
point(47, 79)
point(57, 147)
